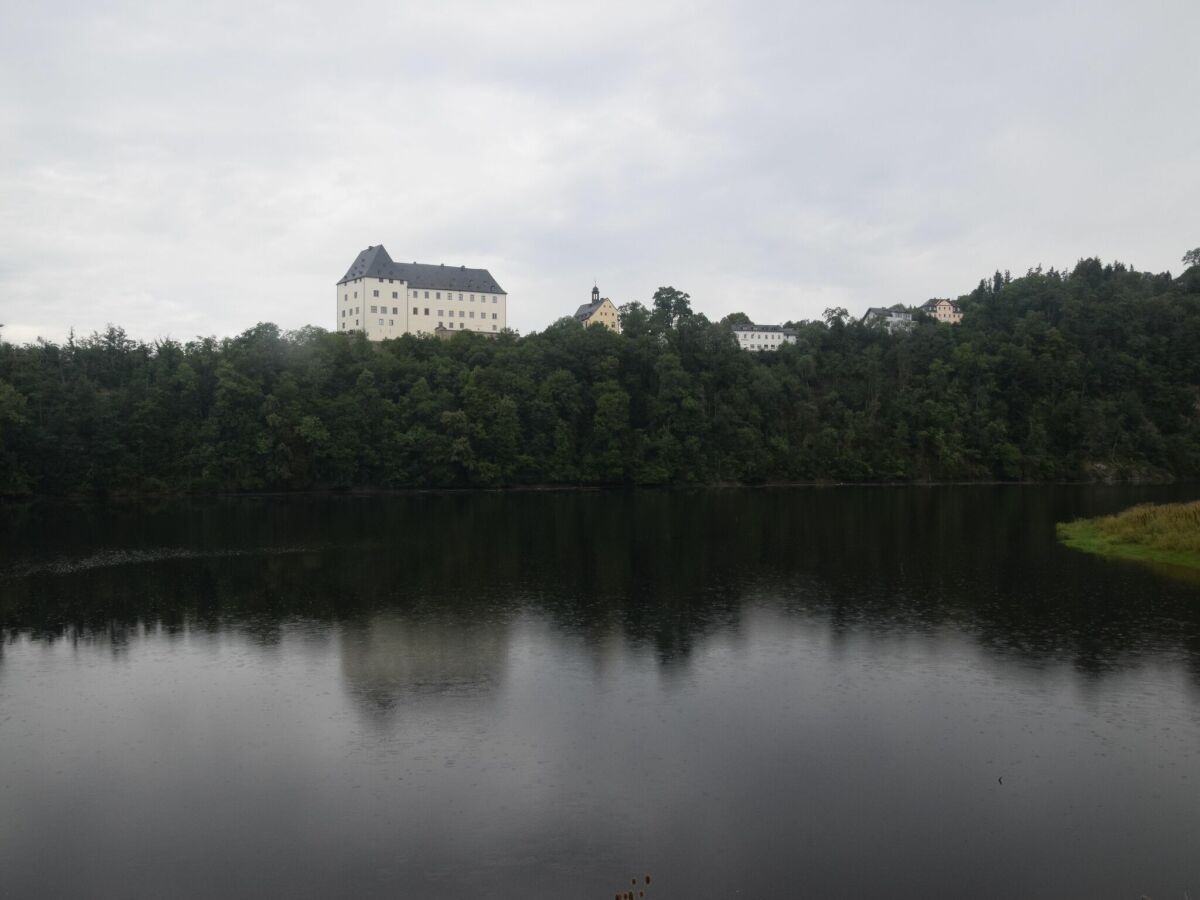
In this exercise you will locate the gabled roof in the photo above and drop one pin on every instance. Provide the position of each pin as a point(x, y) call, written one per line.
point(930, 304)
point(374, 262)
point(585, 312)
point(886, 313)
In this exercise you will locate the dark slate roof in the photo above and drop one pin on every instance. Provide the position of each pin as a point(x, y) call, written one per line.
point(887, 313)
point(779, 328)
point(585, 311)
point(374, 262)
point(930, 304)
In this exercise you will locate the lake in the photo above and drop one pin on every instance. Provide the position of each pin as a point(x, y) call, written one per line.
point(818, 692)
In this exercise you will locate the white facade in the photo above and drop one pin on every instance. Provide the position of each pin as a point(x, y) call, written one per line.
point(891, 319)
point(386, 307)
point(763, 337)
point(384, 299)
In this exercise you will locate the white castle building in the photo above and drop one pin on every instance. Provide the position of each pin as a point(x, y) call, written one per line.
point(763, 337)
point(385, 299)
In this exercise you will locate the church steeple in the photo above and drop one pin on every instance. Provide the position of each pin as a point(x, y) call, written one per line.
point(600, 311)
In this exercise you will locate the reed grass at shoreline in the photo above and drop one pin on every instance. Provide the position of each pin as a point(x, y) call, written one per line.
point(1163, 533)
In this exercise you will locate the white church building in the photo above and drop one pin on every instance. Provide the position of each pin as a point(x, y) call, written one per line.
point(385, 299)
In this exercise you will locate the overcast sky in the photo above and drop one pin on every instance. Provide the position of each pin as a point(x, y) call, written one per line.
point(185, 168)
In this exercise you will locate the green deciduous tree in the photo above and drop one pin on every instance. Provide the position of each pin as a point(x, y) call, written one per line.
point(1052, 375)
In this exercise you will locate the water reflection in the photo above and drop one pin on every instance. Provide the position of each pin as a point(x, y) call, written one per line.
point(666, 570)
point(387, 658)
point(499, 695)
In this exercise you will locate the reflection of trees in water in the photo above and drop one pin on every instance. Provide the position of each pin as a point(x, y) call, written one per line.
point(387, 658)
point(658, 568)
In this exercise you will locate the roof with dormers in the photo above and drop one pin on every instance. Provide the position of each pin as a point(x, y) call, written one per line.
point(374, 262)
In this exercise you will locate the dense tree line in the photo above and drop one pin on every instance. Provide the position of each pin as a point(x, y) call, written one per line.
point(1089, 374)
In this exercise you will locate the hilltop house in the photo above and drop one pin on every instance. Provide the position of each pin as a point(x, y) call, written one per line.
point(763, 337)
point(601, 311)
point(942, 311)
point(384, 299)
point(891, 319)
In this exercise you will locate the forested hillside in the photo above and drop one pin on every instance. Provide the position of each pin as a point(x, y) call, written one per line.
point(1052, 376)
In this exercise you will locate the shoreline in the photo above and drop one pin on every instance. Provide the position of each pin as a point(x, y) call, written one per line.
point(135, 497)
point(1095, 536)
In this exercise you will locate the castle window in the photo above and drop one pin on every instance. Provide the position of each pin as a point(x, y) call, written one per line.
point(460, 297)
point(427, 295)
point(493, 299)
point(391, 321)
point(381, 321)
point(472, 314)
point(472, 298)
point(395, 294)
point(414, 311)
point(373, 309)
point(427, 310)
point(440, 313)
point(395, 311)
point(374, 293)
point(493, 315)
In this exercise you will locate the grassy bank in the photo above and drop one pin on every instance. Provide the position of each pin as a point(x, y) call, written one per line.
point(1166, 533)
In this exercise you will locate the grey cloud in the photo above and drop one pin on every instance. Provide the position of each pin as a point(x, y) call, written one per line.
point(188, 168)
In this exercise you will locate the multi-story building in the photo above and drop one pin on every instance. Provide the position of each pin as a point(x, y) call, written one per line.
point(943, 311)
point(891, 319)
point(384, 299)
point(763, 337)
point(601, 311)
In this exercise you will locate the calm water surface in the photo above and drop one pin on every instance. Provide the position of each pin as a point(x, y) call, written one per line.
point(898, 693)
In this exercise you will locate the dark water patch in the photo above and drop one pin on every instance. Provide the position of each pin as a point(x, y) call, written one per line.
point(833, 692)
point(109, 558)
